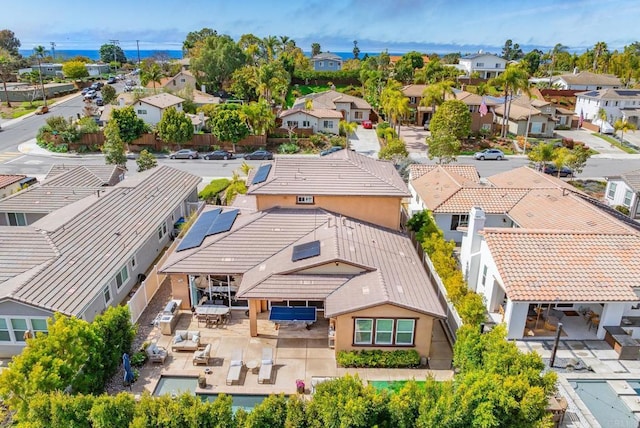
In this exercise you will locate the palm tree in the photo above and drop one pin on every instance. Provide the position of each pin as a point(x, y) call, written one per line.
point(557, 49)
point(435, 94)
point(394, 103)
point(513, 79)
point(541, 154)
point(270, 44)
point(623, 126)
point(40, 52)
point(153, 74)
point(7, 63)
point(599, 49)
point(602, 115)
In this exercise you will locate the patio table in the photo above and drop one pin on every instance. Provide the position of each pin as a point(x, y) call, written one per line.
point(212, 310)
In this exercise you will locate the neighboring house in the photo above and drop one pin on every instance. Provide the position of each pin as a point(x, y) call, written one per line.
point(526, 119)
point(62, 186)
point(48, 69)
point(343, 182)
point(326, 61)
point(202, 98)
point(198, 121)
point(617, 103)
point(97, 69)
point(10, 184)
point(184, 79)
point(353, 109)
point(319, 120)
point(529, 277)
point(88, 254)
point(485, 64)
point(330, 240)
point(419, 114)
point(624, 190)
point(586, 81)
point(150, 109)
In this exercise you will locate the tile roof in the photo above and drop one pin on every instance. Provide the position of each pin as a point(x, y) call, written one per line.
point(439, 184)
point(552, 266)
point(378, 265)
point(493, 200)
point(518, 112)
point(87, 175)
point(22, 249)
point(470, 99)
point(102, 237)
point(632, 178)
point(8, 179)
point(328, 100)
point(525, 177)
point(611, 94)
point(468, 172)
point(341, 173)
point(316, 112)
point(413, 90)
point(162, 100)
point(589, 78)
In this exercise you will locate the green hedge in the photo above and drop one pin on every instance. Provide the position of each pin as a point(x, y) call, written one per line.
point(379, 359)
point(213, 189)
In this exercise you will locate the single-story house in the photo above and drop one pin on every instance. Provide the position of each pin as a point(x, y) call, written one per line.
point(353, 109)
point(97, 69)
point(150, 109)
point(326, 61)
point(87, 254)
point(10, 183)
point(320, 120)
point(624, 190)
point(586, 81)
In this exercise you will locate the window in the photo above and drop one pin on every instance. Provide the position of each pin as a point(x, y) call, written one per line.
point(606, 103)
point(358, 114)
point(142, 111)
point(174, 83)
point(479, 64)
point(306, 124)
point(627, 198)
point(330, 64)
point(107, 294)
point(304, 200)
point(486, 126)
point(363, 332)
point(498, 65)
point(19, 326)
point(17, 219)
point(412, 100)
point(384, 332)
point(182, 80)
point(328, 124)
point(404, 332)
point(162, 231)
point(321, 63)
point(484, 274)
point(292, 124)
point(121, 277)
point(612, 190)
point(5, 336)
point(38, 326)
point(459, 220)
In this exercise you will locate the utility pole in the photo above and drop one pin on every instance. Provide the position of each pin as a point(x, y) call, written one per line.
point(138, 47)
point(114, 43)
point(53, 50)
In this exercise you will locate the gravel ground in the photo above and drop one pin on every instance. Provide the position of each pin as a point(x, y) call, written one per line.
point(145, 329)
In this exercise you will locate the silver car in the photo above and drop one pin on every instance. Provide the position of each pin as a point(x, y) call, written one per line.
point(185, 154)
point(489, 154)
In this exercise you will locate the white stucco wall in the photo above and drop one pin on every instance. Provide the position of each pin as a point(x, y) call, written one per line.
point(621, 189)
point(515, 315)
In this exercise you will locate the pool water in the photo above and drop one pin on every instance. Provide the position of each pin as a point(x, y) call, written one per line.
point(246, 402)
point(604, 404)
point(176, 385)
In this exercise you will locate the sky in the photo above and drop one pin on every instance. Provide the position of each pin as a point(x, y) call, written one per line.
point(396, 25)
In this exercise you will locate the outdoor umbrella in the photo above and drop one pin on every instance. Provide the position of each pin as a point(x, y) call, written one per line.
point(128, 372)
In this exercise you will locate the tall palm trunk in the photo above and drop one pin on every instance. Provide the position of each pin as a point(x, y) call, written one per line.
point(6, 93)
point(44, 95)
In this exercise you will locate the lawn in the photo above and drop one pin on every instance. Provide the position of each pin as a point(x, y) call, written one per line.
point(18, 109)
point(393, 386)
point(615, 142)
point(309, 89)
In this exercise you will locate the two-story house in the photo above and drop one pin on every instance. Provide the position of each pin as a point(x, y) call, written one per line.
point(184, 79)
point(150, 109)
point(617, 103)
point(485, 64)
point(352, 109)
point(326, 61)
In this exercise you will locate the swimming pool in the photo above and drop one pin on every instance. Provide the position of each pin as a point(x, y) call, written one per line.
point(246, 402)
point(604, 404)
point(176, 385)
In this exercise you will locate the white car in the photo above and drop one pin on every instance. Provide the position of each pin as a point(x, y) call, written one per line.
point(90, 95)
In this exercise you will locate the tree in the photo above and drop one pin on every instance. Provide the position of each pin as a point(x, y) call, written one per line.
point(113, 147)
point(243, 83)
point(405, 68)
point(578, 158)
point(146, 161)
point(436, 94)
point(514, 79)
point(623, 126)
point(194, 38)
point(532, 61)
point(315, 49)
point(108, 94)
point(394, 103)
point(356, 50)
point(10, 43)
point(452, 117)
point(394, 149)
point(217, 58)
point(228, 125)
point(541, 154)
point(272, 81)
point(110, 53)
point(152, 74)
point(39, 52)
point(444, 146)
point(129, 125)
point(259, 116)
point(511, 51)
point(74, 70)
point(8, 66)
point(600, 49)
point(347, 128)
point(175, 127)
point(602, 115)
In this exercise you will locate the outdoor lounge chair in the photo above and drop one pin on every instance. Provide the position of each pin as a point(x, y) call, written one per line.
point(235, 368)
point(202, 357)
point(156, 354)
point(266, 366)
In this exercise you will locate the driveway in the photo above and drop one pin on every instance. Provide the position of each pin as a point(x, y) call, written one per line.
point(414, 138)
point(598, 144)
point(365, 141)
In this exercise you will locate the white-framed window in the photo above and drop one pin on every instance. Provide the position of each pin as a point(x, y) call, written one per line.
point(459, 220)
point(384, 332)
point(363, 332)
point(292, 124)
point(612, 190)
point(358, 114)
point(305, 199)
point(162, 231)
point(182, 80)
point(486, 126)
point(107, 294)
point(328, 124)
point(140, 111)
point(321, 63)
point(627, 198)
point(17, 219)
point(5, 336)
point(122, 277)
point(498, 65)
point(484, 274)
point(479, 64)
point(405, 330)
point(39, 325)
point(19, 327)
point(306, 124)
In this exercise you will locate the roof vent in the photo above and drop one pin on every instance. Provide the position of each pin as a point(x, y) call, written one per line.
point(365, 290)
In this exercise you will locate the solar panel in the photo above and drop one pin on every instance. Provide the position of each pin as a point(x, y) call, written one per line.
point(223, 223)
point(591, 94)
point(198, 231)
point(261, 174)
point(305, 251)
point(630, 93)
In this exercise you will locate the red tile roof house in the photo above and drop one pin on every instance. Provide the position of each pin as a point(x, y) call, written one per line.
point(307, 251)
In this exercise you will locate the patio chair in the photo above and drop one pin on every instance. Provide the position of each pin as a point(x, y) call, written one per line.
point(202, 357)
point(266, 366)
point(156, 354)
point(235, 368)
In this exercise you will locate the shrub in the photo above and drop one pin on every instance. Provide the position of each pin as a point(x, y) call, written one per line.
point(624, 210)
point(379, 359)
point(288, 148)
point(393, 149)
point(138, 359)
point(317, 140)
point(336, 140)
point(212, 190)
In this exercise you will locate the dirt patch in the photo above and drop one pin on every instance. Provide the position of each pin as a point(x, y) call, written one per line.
point(593, 188)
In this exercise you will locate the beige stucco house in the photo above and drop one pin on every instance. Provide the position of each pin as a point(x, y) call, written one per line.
point(184, 79)
point(319, 120)
point(352, 109)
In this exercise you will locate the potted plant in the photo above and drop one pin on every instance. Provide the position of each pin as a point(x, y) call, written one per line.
point(300, 386)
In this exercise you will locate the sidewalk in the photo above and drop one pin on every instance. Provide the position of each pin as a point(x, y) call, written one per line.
point(31, 147)
point(8, 122)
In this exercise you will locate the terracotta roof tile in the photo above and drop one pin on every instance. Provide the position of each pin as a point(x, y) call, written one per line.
point(528, 178)
point(469, 172)
point(439, 184)
point(7, 180)
point(493, 200)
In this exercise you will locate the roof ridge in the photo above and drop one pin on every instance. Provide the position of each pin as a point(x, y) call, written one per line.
point(369, 171)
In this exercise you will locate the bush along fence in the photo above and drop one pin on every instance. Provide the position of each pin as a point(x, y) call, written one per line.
point(379, 359)
point(463, 305)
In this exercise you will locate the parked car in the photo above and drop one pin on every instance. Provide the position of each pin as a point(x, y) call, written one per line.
point(111, 80)
point(218, 155)
point(551, 169)
point(96, 86)
point(185, 154)
point(99, 101)
point(331, 150)
point(85, 90)
point(366, 124)
point(91, 94)
point(128, 88)
point(259, 155)
point(489, 154)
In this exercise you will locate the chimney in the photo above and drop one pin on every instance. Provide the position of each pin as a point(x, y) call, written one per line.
point(470, 248)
